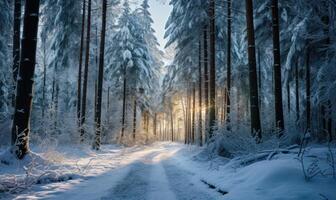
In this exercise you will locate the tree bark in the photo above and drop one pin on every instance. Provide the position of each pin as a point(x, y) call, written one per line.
point(193, 114)
point(86, 69)
point(200, 94)
point(297, 95)
point(124, 103)
point(279, 118)
point(206, 81)
point(254, 97)
point(100, 77)
point(288, 98)
point(79, 78)
point(308, 104)
point(308, 108)
point(16, 48)
point(228, 78)
point(134, 117)
point(172, 123)
point(155, 124)
point(24, 94)
point(212, 70)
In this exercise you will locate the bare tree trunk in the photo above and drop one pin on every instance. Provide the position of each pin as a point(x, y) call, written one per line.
point(86, 69)
point(124, 104)
point(24, 95)
point(44, 49)
point(329, 125)
point(297, 95)
point(288, 98)
point(193, 114)
point(16, 47)
point(212, 70)
point(308, 109)
point(254, 96)
point(79, 78)
point(155, 124)
point(134, 117)
point(206, 82)
point(96, 145)
point(172, 124)
point(279, 119)
point(228, 78)
point(200, 94)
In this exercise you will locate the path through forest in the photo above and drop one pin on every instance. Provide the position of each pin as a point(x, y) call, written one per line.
point(151, 173)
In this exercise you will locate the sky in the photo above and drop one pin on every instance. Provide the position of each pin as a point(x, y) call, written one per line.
point(160, 11)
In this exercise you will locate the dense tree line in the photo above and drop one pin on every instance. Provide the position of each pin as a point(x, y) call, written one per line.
point(264, 67)
point(266, 57)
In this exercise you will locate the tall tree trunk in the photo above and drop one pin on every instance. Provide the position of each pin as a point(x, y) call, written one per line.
point(134, 117)
point(44, 78)
point(193, 114)
point(228, 78)
point(329, 123)
point(79, 78)
point(200, 94)
point(24, 94)
point(188, 114)
point(206, 81)
point(288, 98)
point(155, 124)
point(297, 95)
point(279, 118)
point(212, 70)
point(254, 96)
point(96, 145)
point(16, 47)
point(56, 101)
point(86, 69)
point(108, 106)
point(308, 109)
point(260, 80)
point(172, 123)
point(123, 119)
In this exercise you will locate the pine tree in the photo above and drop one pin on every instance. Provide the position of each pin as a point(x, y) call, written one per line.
point(254, 97)
point(97, 141)
point(86, 69)
point(279, 119)
point(79, 78)
point(16, 46)
point(212, 69)
point(228, 78)
point(24, 97)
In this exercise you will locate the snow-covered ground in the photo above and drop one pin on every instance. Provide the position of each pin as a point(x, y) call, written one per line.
point(167, 171)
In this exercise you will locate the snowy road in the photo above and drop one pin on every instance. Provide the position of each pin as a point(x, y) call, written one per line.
point(147, 173)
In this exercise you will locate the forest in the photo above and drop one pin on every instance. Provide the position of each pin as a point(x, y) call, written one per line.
point(168, 99)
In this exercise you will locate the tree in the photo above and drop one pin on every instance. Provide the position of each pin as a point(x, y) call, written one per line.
point(200, 91)
point(212, 70)
point(254, 97)
point(16, 45)
point(279, 119)
point(228, 78)
point(131, 61)
point(308, 92)
point(86, 69)
point(24, 97)
point(96, 144)
point(79, 80)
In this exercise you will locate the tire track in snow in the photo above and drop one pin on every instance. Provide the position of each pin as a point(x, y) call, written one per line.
point(136, 183)
point(186, 186)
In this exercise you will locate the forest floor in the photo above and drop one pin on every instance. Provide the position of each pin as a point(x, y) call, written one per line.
point(165, 171)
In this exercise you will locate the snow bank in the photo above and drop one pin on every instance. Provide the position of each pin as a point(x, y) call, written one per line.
point(268, 175)
point(18, 175)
